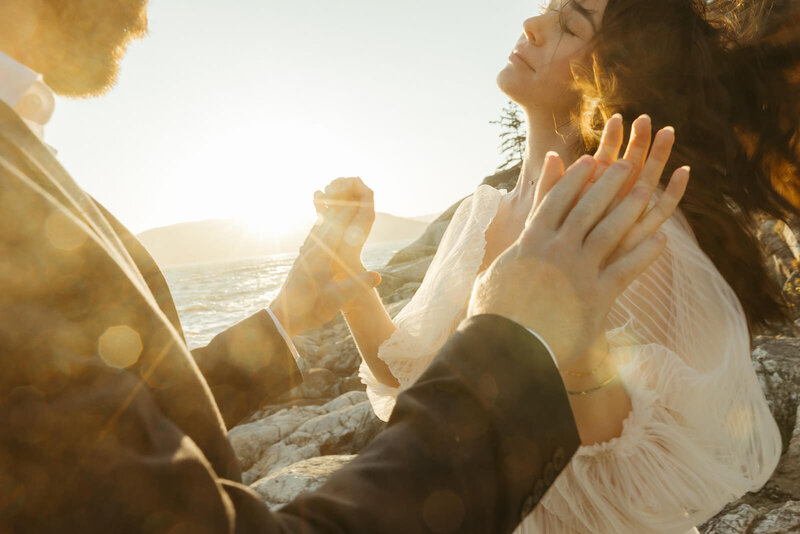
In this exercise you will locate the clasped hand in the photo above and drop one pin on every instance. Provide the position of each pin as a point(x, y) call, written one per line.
point(328, 272)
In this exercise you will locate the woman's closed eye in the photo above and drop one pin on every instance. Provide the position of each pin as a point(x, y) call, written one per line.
point(565, 11)
point(562, 22)
point(562, 18)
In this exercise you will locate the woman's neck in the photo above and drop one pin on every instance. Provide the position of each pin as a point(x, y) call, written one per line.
point(545, 134)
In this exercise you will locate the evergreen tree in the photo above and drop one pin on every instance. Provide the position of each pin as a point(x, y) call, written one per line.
point(513, 135)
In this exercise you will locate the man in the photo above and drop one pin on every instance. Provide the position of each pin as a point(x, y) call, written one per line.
point(109, 423)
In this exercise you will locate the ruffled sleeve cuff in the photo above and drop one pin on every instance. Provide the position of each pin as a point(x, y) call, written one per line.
point(381, 397)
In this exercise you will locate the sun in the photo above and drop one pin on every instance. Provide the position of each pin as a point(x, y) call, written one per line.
point(279, 221)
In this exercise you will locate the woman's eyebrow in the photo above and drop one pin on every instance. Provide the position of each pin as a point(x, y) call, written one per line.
point(587, 13)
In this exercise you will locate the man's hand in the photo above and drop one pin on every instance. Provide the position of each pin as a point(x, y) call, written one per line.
point(320, 283)
point(562, 275)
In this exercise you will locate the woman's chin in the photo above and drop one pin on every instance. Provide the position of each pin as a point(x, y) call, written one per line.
point(510, 84)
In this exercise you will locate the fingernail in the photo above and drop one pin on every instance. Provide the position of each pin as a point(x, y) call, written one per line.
point(687, 168)
point(617, 116)
point(586, 160)
point(551, 154)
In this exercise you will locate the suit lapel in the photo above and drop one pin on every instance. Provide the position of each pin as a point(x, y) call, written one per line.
point(98, 286)
point(148, 268)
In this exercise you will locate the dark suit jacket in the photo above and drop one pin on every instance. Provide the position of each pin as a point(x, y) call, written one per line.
point(109, 424)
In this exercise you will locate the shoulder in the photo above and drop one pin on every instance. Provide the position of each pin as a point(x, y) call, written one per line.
point(476, 210)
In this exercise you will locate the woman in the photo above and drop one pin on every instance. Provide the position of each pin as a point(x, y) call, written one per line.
point(672, 419)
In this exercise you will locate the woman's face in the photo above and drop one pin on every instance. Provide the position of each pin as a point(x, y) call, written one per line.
point(538, 74)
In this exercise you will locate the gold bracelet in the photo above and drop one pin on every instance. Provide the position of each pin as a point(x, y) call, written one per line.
point(593, 371)
point(605, 382)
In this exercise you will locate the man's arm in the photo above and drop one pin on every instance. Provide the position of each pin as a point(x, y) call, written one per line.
point(247, 365)
point(472, 446)
point(485, 430)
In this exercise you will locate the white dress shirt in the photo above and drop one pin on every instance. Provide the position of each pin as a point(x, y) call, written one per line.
point(285, 336)
point(25, 92)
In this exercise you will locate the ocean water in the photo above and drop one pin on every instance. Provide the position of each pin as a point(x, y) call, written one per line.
point(213, 296)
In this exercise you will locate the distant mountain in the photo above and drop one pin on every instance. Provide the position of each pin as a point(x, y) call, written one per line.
point(224, 239)
point(392, 228)
point(429, 218)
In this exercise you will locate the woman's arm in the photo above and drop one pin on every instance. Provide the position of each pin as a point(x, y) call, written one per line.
point(366, 317)
point(371, 325)
point(600, 412)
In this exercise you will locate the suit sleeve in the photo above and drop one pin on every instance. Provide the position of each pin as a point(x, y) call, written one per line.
point(472, 446)
point(247, 365)
point(456, 455)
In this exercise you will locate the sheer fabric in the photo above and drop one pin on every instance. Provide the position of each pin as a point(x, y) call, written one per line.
point(700, 433)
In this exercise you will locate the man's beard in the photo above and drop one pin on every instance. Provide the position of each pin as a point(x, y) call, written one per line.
point(80, 44)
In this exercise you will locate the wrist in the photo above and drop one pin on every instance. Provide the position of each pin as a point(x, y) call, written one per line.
point(593, 371)
point(351, 270)
point(283, 320)
point(352, 306)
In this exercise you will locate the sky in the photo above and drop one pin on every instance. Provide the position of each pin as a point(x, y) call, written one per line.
point(243, 109)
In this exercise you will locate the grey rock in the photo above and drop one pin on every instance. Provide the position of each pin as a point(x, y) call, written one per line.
point(774, 509)
point(429, 241)
point(775, 362)
point(287, 483)
point(342, 426)
point(746, 519)
point(739, 519)
point(786, 478)
point(398, 275)
point(785, 519)
point(341, 355)
point(318, 382)
point(331, 347)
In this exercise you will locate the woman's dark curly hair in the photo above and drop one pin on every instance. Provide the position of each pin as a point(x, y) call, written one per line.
point(726, 75)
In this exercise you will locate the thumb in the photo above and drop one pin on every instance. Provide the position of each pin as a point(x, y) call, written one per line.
point(552, 171)
point(346, 290)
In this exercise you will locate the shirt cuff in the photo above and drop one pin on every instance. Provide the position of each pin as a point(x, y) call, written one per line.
point(549, 350)
point(286, 338)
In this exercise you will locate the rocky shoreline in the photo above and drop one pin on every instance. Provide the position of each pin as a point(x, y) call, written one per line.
point(294, 444)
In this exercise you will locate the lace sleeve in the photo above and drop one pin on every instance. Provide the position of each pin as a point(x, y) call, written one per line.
point(700, 433)
point(439, 305)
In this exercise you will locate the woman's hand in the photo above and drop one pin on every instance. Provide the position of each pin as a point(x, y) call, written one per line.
point(348, 195)
point(611, 143)
point(562, 255)
point(647, 163)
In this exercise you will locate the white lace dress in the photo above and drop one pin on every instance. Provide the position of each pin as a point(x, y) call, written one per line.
point(700, 433)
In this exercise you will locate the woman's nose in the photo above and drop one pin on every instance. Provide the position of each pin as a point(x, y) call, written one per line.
point(534, 30)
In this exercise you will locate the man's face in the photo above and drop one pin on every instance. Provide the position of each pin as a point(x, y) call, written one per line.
point(80, 42)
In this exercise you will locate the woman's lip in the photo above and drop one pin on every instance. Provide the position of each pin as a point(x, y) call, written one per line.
point(518, 57)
